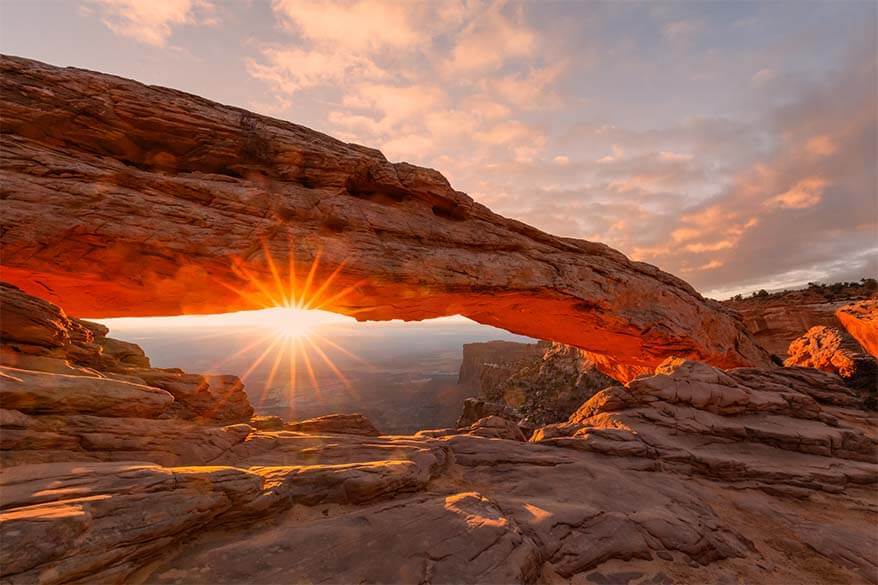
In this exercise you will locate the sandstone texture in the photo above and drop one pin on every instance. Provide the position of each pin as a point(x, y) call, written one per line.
point(833, 350)
point(690, 475)
point(861, 321)
point(348, 424)
point(54, 364)
point(775, 320)
point(125, 199)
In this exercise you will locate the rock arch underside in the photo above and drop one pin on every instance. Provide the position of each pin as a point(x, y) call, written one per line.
point(121, 199)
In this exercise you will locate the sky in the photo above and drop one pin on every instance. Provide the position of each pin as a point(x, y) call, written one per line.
point(730, 143)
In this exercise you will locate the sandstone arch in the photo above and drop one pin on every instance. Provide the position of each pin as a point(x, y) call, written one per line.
point(122, 199)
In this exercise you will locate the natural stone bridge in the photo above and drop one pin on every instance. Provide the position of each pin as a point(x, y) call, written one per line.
point(121, 199)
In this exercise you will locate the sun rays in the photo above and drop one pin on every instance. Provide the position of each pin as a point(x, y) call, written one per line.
point(298, 301)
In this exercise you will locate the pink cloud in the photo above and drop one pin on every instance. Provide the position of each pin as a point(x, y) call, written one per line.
point(153, 22)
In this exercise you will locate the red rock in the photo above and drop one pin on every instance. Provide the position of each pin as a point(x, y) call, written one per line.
point(348, 424)
point(775, 320)
point(832, 350)
point(156, 192)
point(861, 321)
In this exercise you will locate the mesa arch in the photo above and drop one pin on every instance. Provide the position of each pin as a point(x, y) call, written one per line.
point(121, 199)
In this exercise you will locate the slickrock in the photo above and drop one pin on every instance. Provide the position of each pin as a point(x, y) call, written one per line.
point(861, 321)
point(832, 350)
point(156, 193)
point(133, 200)
point(42, 393)
point(348, 424)
point(267, 423)
point(773, 429)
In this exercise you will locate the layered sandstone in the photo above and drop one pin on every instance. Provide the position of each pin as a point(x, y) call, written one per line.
point(126, 199)
point(833, 350)
point(861, 321)
point(690, 475)
point(54, 364)
point(775, 320)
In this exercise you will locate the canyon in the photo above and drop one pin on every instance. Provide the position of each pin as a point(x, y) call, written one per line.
point(650, 440)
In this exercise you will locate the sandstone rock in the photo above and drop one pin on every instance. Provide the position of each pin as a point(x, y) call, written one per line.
point(267, 423)
point(39, 336)
point(348, 424)
point(542, 383)
point(831, 350)
point(173, 187)
point(475, 409)
point(455, 538)
point(775, 320)
point(767, 427)
point(490, 362)
point(861, 321)
point(552, 387)
point(495, 427)
point(41, 393)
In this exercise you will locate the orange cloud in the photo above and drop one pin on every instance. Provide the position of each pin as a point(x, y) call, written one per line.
point(821, 145)
point(806, 193)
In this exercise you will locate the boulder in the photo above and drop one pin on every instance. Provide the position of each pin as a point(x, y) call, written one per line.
point(347, 424)
point(475, 409)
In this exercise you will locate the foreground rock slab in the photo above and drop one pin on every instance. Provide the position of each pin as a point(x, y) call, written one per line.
point(159, 197)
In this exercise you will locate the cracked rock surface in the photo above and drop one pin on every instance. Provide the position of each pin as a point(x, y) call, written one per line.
point(691, 475)
point(122, 199)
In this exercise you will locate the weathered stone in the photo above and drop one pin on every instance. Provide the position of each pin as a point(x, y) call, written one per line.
point(348, 424)
point(832, 350)
point(41, 393)
point(861, 321)
point(175, 187)
point(775, 320)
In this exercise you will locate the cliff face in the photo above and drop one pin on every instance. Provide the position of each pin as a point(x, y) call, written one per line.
point(777, 319)
point(496, 360)
point(125, 199)
point(861, 321)
point(40, 342)
point(544, 382)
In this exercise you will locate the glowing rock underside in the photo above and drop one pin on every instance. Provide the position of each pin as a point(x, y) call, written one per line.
point(122, 199)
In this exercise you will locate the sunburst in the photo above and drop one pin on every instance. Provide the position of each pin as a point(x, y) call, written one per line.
point(292, 340)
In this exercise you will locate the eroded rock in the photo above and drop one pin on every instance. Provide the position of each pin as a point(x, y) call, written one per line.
point(831, 350)
point(178, 189)
point(861, 321)
point(347, 424)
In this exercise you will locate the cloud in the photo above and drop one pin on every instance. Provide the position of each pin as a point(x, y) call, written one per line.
point(153, 22)
point(806, 193)
point(490, 40)
point(748, 178)
point(290, 69)
point(682, 32)
point(356, 26)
